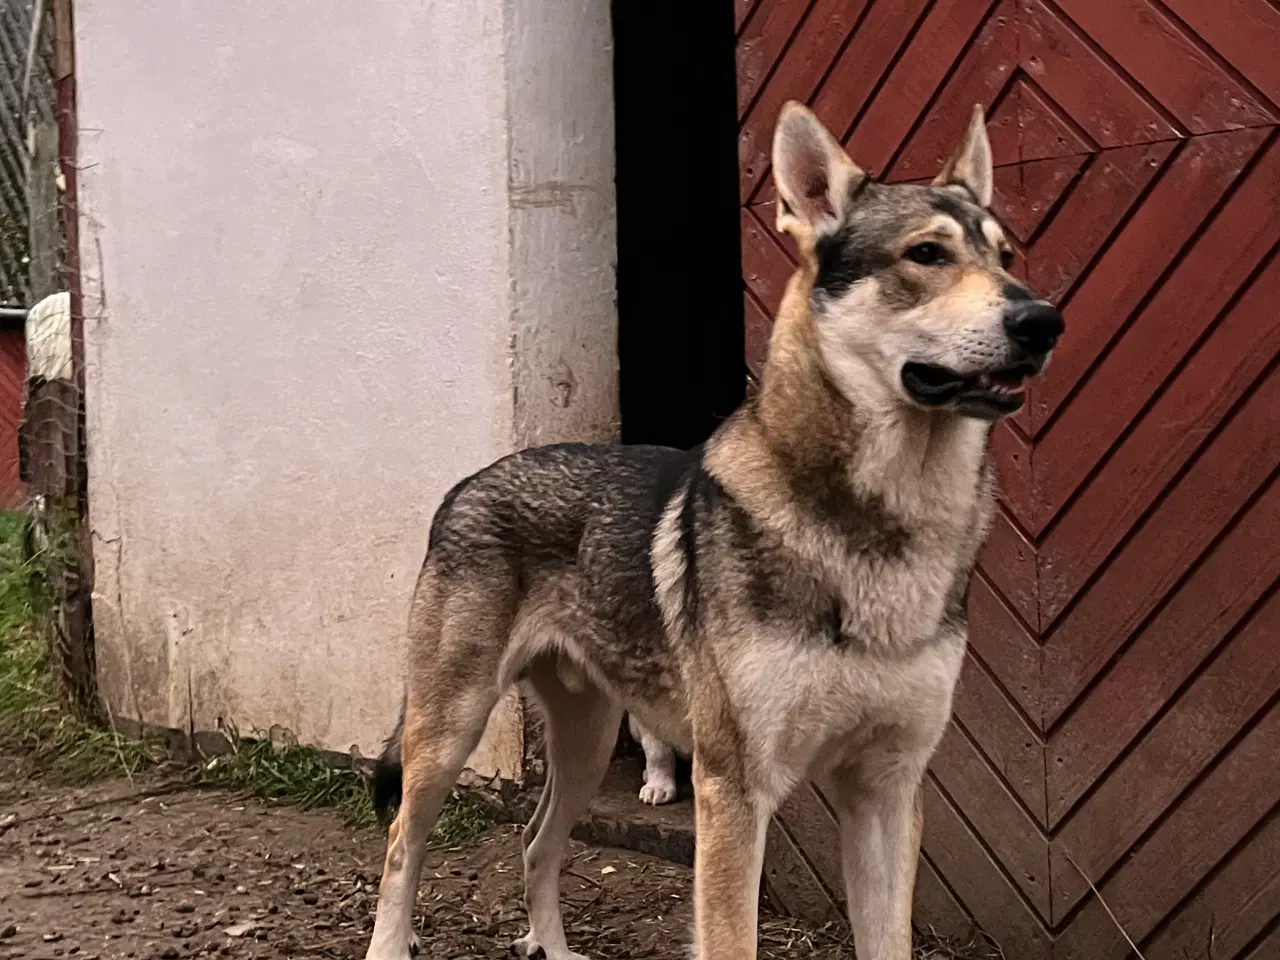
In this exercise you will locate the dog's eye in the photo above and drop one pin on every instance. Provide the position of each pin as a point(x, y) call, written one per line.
point(1006, 258)
point(926, 254)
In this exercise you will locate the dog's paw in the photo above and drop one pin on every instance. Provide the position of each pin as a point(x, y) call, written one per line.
point(529, 948)
point(657, 791)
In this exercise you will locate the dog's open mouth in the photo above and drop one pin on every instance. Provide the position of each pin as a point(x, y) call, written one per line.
point(992, 393)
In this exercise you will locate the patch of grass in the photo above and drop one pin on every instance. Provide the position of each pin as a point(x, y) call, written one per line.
point(282, 771)
point(34, 718)
point(462, 819)
point(290, 773)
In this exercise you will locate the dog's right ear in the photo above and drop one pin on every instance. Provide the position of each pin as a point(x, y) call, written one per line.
point(814, 176)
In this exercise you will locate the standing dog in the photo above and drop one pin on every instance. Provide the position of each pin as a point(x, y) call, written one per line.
point(785, 603)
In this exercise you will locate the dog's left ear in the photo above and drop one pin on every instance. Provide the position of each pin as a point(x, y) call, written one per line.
point(970, 166)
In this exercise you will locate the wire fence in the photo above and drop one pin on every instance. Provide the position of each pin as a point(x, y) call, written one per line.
point(41, 342)
point(32, 248)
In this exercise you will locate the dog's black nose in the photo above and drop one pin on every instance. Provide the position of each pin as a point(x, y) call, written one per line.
point(1033, 325)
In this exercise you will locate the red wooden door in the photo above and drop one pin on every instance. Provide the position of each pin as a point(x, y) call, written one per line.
point(1118, 723)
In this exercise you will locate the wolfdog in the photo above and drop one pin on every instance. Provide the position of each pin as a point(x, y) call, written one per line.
point(784, 603)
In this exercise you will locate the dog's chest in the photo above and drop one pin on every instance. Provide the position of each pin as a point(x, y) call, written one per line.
point(808, 707)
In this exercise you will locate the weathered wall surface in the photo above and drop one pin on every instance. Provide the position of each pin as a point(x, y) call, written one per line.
point(336, 256)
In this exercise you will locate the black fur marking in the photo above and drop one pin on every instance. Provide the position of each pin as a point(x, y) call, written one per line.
point(701, 497)
point(966, 190)
point(1013, 290)
point(867, 524)
point(844, 258)
point(955, 611)
point(968, 215)
point(387, 772)
point(837, 622)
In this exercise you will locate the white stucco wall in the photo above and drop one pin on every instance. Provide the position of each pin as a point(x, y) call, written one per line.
point(335, 257)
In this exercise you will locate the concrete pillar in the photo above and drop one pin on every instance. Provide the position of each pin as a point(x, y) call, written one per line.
point(336, 256)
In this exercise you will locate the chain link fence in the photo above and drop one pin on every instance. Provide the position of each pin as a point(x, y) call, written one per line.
point(41, 364)
point(32, 248)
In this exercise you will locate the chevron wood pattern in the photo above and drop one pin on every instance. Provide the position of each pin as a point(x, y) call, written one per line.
point(1117, 726)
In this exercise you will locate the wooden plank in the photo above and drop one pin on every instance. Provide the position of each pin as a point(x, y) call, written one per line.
point(1084, 83)
point(761, 43)
point(1246, 33)
point(1025, 193)
point(1012, 456)
point(1005, 738)
point(1009, 561)
point(1010, 835)
point(1169, 65)
point(1028, 126)
point(1141, 362)
point(1170, 216)
point(870, 54)
point(1235, 797)
point(766, 268)
point(986, 62)
point(1235, 466)
point(742, 10)
point(936, 908)
point(943, 38)
point(759, 328)
point(12, 387)
point(810, 824)
point(1233, 688)
point(790, 882)
point(1268, 948)
point(1100, 202)
point(1168, 651)
point(1219, 373)
point(1010, 653)
point(1232, 907)
point(815, 46)
point(978, 881)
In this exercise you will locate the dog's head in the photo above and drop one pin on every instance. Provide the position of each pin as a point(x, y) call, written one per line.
point(912, 299)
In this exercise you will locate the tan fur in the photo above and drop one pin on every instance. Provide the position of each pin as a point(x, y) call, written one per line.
point(806, 579)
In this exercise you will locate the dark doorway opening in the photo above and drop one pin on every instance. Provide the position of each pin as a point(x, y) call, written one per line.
point(680, 308)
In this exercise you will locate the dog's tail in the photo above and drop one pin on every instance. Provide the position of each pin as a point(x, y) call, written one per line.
point(387, 772)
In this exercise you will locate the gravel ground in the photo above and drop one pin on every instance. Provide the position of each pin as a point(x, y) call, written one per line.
point(158, 869)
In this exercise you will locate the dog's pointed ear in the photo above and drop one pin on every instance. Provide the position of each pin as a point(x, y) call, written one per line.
point(814, 176)
point(970, 166)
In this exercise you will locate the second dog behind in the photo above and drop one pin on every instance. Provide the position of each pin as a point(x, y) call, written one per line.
point(659, 765)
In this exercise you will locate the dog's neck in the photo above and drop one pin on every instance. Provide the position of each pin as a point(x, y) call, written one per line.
point(883, 447)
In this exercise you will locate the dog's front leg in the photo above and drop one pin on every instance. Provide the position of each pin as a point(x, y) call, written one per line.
point(730, 825)
point(880, 824)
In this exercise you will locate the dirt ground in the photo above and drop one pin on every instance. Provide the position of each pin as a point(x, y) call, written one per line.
point(158, 869)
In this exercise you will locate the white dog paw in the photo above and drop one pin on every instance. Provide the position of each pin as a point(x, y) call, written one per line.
point(657, 791)
point(529, 948)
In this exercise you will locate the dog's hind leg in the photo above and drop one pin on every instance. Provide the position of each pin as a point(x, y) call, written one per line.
point(581, 730)
point(452, 689)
